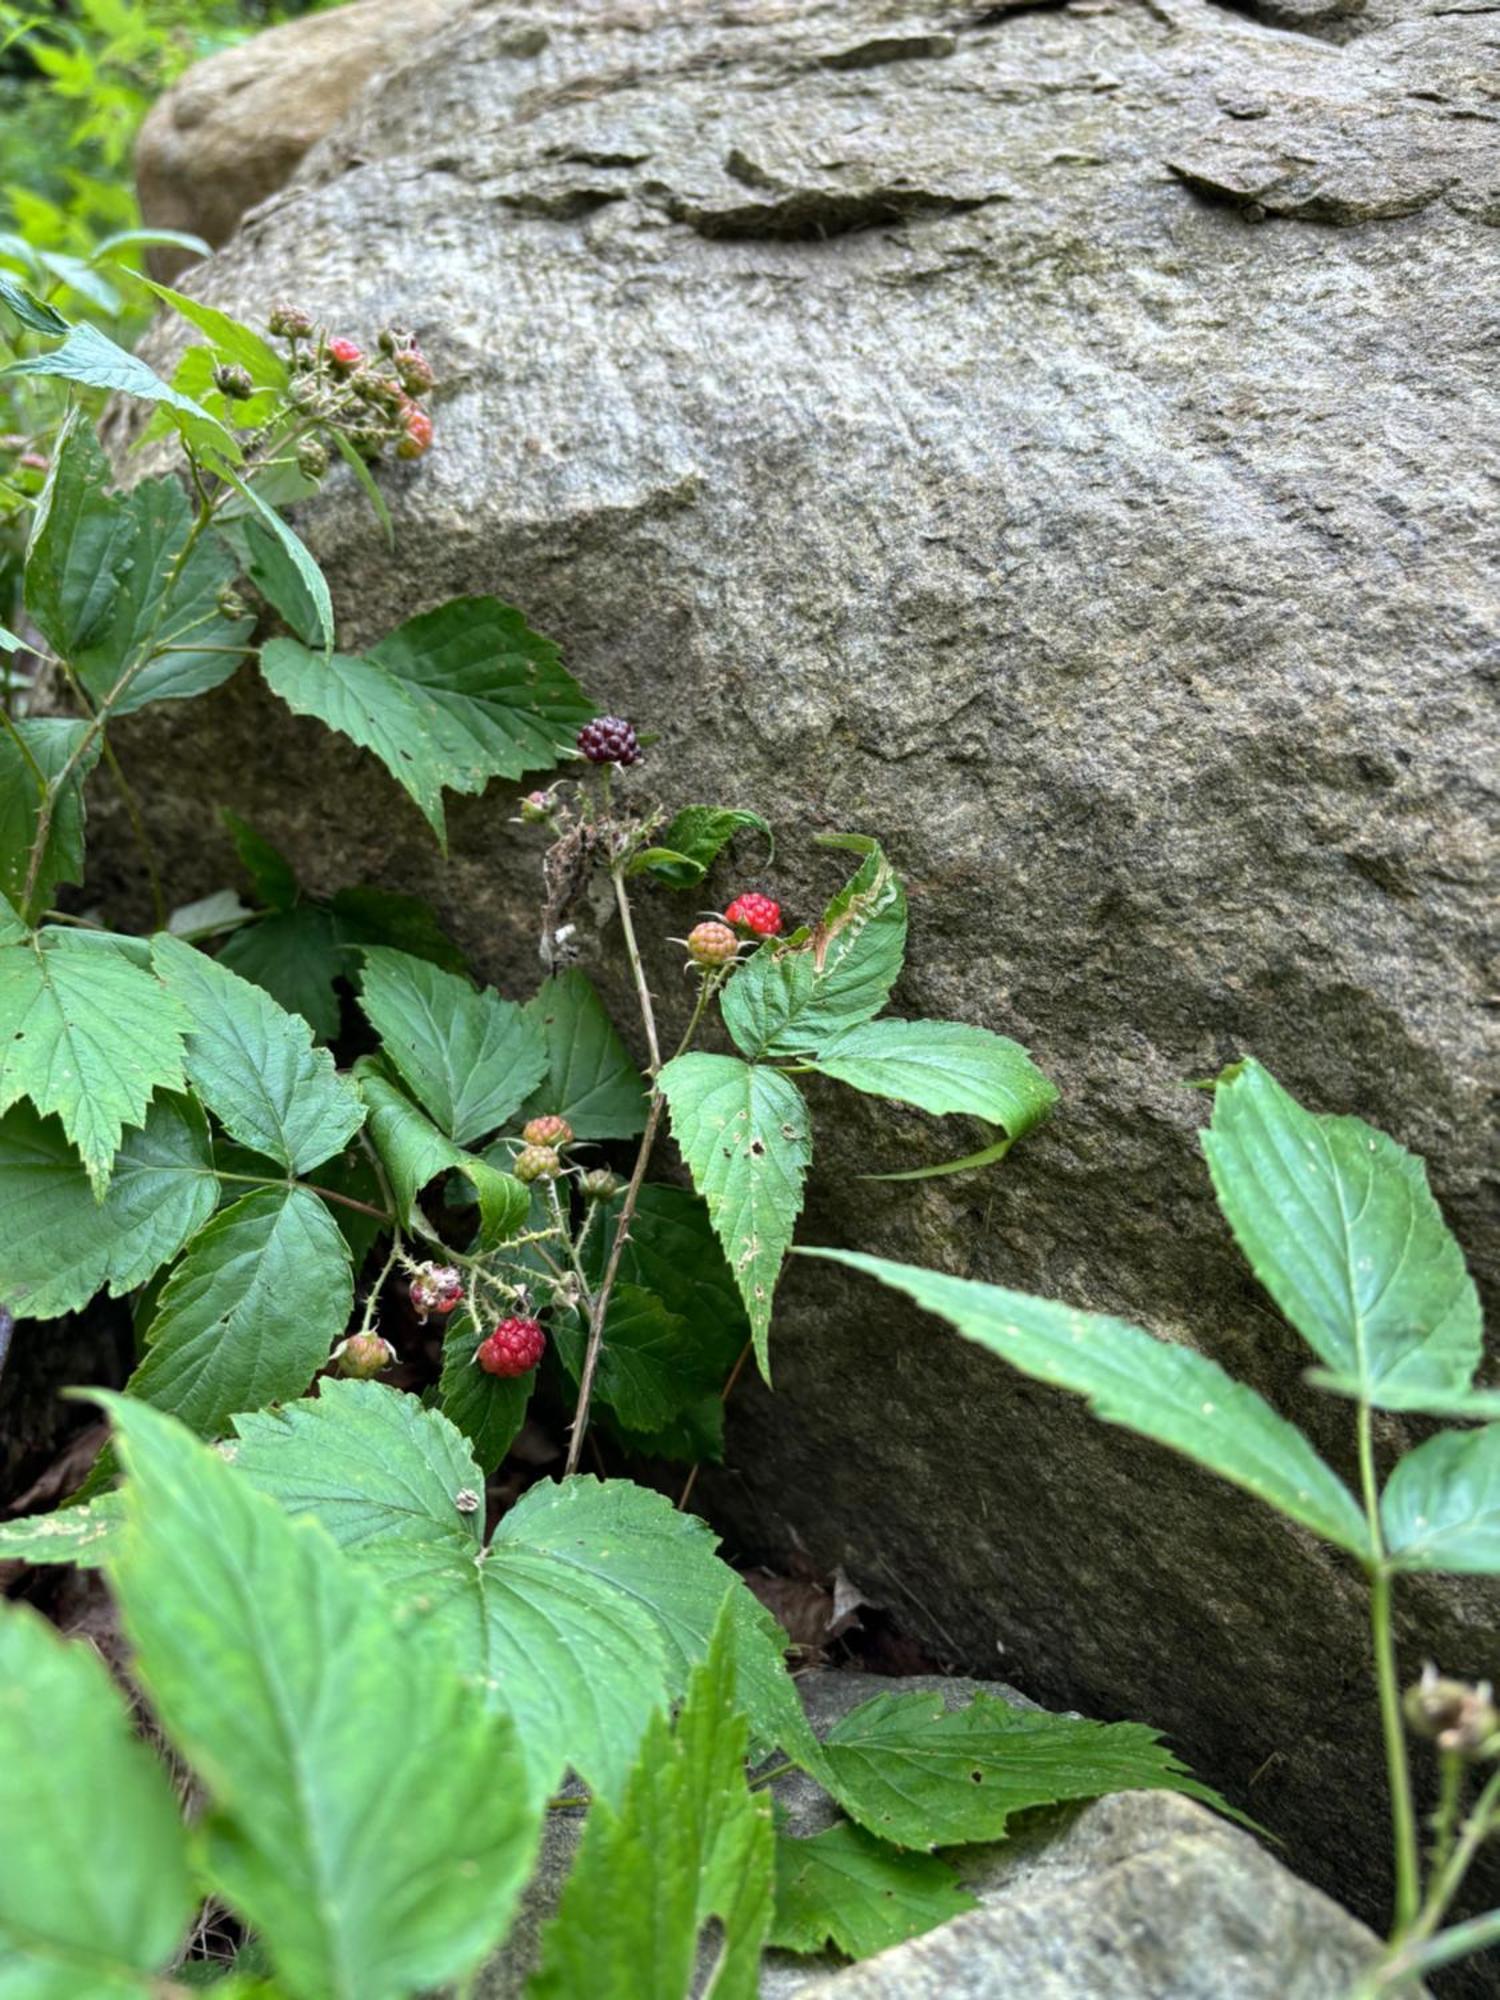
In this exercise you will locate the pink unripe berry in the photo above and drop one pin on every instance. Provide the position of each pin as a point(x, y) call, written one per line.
point(437, 1288)
point(345, 354)
point(418, 438)
point(548, 1130)
point(514, 1348)
point(711, 945)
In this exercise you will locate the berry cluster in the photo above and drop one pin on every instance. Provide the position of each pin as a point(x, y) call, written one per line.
point(609, 739)
point(369, 400)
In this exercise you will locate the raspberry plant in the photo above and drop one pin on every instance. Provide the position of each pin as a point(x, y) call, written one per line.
point(377, 1676)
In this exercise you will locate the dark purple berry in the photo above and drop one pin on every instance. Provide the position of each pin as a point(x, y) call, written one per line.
point(609, 740)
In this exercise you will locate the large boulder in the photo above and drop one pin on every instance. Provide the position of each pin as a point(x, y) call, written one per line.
point(1058, 441)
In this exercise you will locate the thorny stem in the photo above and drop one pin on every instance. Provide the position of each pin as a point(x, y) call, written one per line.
point(638, 971)
point(1382, 1630)
point(372, 1297)
point(724, 1395)
point(1450, 1796)
point(658, 1104)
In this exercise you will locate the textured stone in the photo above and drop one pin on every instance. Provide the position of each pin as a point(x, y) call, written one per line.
point(233, 130)
point(937, 445)
point(1143, 1896)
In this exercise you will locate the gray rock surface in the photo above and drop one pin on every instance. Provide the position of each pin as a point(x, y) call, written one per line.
point(1062, 443)
point(1144, 1896)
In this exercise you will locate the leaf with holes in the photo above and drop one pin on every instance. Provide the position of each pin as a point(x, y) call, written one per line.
point(745, 1135)
point(1170, 1394)
point(33, 752)
point(90, 1037)
point(1339, 1225)
point(846, 1888)
point(59, 1245)
point(451, 699)
point(254, 1065)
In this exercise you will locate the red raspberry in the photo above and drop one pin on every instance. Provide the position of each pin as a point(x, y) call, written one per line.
point(514, 1348)
point(609, 740)
point(437, 1288)
point(711, 945)
point(363, 1355)
point(418, 436)
point(755, 913)
point(345, 355)
point(548, 1130)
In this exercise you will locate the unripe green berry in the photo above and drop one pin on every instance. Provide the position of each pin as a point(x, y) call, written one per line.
point(312, 458)
point(599, 1184)
point(233, 381)
point(537, 1163)
point(363, 1355)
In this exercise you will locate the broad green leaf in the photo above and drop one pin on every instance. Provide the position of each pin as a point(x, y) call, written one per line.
point(12, 930)
point(94, 1890)
point(672, 1251)
point(687, 1842)
point(651, 1367)
point(293, 955)
point(33, 313)
point(922, 1775)
point(91, 358)
point(82, 538)
point(414, 1152)
point(942, 1067)
point(59, 1245)
point(147, 617)
point(693, 842)
point(469, 1056)
point(1171, 1394)
point(303, 563)
point(795, 994)
point(90, 1037)
point(1338, 1223)
point(207, 916)
point(249, 1314)
point(365, 915)
point(78, 1535)
point(1441, 1506)
point(745, 1135)
point(150, 239)
point(488, 1409)
point(9, 643)
point(591, 1080)
point(451, 699)
point(41, 744)
point(279, 579)
point(848, 1889)
point(373, 1859)
point(234, 340)
point(268, 868)
point(254, 1065)
point(590, 1608)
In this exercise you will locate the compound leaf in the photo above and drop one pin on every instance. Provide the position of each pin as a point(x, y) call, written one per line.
point(1171, 1394)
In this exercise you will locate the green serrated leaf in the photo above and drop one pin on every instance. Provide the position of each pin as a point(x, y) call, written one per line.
point(93, 359)
point(923, 1775)
point(848, 1889)
point(672, 1251)
point(95, 1895)
point(254, 1065)
point(942, 1067)
point(250, 1313)
point(269, 1660)
point(268, 868)
point(81, 544)
point(234, 340)
point(687, 1842)
point(294, 956)
point(744, 1133)
point(33, 313)
point(1441, 1506)
point(414, 1153)
point(591, 1607)
point(451, 699)
point(469, 1056)
point(79, 1536)
point(488, 1409)
point(1338, 1223)
point(145, 619)
point(693, 842)
point(651, 1366)
point(59, 1245)
point(1171, 1394)
point(304, 566)
point(591, 1079)
point(90, 1038)
point(796, 994)
point(42, 744)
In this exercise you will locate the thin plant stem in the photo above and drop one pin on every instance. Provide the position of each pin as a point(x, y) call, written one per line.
point(724, 1395)
point(1422, 1955)
point(1476, 1829)
point(326, 1194)
point(372, 1297)
point(1451, 1768)
point(658, 1104)
point(638, 971)
point(1392, 1728)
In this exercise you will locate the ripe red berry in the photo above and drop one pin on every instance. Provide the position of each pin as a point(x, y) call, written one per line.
point(437, 1288)
point(345, 354)
point(711, 945)
point(514, 1348)
point(755, 913)
point(418, 438)
point(609, 739)
point(548, 1130)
